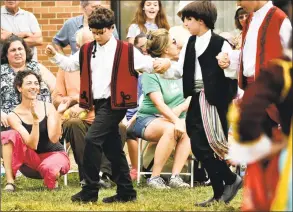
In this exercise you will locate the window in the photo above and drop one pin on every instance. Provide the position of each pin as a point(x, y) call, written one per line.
point(225, 22)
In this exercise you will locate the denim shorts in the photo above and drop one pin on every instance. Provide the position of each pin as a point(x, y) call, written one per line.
point(141, 123)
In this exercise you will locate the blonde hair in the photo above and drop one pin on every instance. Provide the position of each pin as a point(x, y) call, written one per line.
point(157, 41)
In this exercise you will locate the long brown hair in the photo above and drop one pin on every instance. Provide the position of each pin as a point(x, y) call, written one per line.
point(140, 17)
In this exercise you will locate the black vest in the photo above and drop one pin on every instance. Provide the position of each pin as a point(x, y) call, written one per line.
point(219, 90)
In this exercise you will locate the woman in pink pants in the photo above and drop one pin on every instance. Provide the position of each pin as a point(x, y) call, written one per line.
point(34, 138)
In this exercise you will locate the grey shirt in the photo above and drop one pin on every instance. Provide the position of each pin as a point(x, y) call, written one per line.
point(67, 34)
point(22, 21)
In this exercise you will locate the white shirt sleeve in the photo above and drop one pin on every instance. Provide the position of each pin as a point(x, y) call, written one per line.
point(142, 63)
point(68, 64)
point(285, 33)
point(240, 153)
point(34, 24)
point(176, 69)
point(133, 31)
point(231, 71)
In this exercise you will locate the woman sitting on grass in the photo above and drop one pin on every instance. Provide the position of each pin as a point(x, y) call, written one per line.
point(161, 115)
point(35, 142)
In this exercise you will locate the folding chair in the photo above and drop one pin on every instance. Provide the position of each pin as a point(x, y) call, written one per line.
point(140, 172)
point(71, 170)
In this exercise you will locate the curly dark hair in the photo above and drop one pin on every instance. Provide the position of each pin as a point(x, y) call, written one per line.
point(238, 12)
point(18, 80)
point(6, 45)
point(201, 10)
point(101, 18)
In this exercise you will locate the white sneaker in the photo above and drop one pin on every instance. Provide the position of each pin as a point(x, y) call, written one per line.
point(157, 182)
point(177, 182)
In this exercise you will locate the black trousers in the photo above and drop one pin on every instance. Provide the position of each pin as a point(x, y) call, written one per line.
point(103, 135)
point(218, 171)
point(74, 131)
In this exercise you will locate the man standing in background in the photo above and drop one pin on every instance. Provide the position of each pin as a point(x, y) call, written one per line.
point(67, 34)
point(24, 24)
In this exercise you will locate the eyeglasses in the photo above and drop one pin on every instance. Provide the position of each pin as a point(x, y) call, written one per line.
point(99, 31)
point(242, 17)
point(174, 41)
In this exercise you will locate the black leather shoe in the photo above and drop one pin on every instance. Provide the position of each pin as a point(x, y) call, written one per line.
point(208, 202)
point(117, 198)
point(85, 196)
point(230, 191)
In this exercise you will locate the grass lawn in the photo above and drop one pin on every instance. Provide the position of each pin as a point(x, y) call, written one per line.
point(32, 196)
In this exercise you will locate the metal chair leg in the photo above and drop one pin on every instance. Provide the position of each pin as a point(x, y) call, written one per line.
point(65, 176)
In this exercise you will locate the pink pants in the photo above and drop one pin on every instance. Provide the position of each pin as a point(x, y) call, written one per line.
point(47, 164)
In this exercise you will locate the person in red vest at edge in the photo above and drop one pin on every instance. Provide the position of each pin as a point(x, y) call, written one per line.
point(266, 35)
point(109, 83)
point(270, 189)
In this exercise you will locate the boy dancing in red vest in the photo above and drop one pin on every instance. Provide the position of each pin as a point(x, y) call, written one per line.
point(109, 83)
point(267, 184)
point(265, 35)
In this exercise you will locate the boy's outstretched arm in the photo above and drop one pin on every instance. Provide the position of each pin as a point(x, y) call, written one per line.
point(145, 63)
point(65, 63)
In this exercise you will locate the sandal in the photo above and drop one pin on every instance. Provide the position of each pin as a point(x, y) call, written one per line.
point(10, 187)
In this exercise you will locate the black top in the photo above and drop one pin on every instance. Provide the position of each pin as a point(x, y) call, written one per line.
point(44, 145)
point(219, 90)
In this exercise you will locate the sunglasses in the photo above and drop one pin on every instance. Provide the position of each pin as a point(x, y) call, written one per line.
point(174, 41)
point(242, 17)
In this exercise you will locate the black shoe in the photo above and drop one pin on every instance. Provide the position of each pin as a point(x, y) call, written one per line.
point(208, 202)
point(230, 191)
point(85, 196)
point(117, 198)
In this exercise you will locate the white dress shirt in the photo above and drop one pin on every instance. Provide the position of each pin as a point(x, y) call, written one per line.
point(250, 46)
point(201, 44)
point(102, 65)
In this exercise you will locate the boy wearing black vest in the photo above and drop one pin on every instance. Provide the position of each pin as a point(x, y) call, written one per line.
point(109, 83)
point(212, 84)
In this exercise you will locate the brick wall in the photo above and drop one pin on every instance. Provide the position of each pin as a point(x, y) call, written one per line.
point(51, 15)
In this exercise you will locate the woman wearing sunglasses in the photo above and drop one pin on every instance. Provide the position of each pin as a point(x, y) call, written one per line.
point(240, 17)
point(161, 116)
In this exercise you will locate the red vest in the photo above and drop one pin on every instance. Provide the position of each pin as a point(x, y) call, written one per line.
point(268, 42)
point(123, 81)
point(268, 47)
